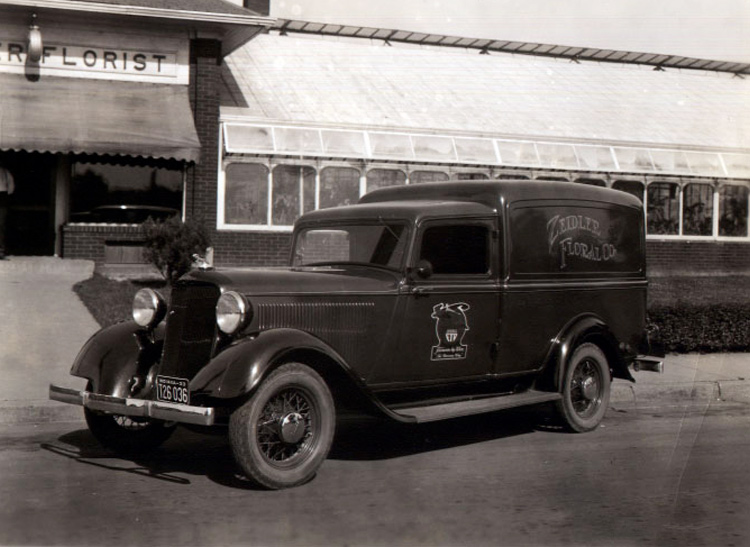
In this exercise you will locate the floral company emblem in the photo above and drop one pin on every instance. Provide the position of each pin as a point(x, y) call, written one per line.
point(451, 325)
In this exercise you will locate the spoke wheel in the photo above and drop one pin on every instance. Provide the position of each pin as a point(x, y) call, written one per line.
point(585, 390)
point(125, 434)
point(282, 435)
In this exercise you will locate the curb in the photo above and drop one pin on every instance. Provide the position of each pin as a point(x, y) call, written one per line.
point(43, 411)
point(718, 390)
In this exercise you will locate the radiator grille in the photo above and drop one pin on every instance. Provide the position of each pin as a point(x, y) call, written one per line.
point(191, 330)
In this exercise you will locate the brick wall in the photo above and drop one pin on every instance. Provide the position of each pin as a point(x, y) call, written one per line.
point(200, 198)
point(251, 249)
point(697, 257)
point(92, 242)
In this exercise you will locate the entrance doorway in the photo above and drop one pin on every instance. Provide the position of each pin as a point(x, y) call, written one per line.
point(31, 211)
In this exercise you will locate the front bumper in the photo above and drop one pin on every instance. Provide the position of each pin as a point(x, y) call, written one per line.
point(170, 412)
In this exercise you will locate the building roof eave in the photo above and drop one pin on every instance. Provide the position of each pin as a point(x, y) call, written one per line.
point(102, 8)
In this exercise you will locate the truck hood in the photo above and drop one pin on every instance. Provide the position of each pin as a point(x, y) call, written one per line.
point(307, 280)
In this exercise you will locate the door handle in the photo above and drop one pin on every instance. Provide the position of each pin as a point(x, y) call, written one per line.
point(419, 291)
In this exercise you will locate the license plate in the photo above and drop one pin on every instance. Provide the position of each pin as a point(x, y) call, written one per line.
point(172, 390)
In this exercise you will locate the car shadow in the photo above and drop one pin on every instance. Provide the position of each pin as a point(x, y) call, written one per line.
point(188, 453)
point(372, 439)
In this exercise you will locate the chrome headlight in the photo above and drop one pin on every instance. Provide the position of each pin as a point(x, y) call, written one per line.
point(149, 308)
point(232, 312)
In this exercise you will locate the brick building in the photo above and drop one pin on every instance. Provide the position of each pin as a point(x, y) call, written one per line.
point(261, 120)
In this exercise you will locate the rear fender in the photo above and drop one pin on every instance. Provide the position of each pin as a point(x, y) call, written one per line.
point(115, 354)
point(586, 328)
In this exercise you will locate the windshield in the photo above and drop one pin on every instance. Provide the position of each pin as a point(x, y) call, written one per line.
point(382, 245)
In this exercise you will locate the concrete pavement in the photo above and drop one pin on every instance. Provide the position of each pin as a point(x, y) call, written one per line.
point(44, 324)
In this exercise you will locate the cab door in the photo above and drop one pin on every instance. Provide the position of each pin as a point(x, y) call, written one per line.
point(449, 305)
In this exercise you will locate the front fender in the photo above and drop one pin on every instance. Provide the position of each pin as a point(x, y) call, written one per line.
point(113, 355)
point(238, 369)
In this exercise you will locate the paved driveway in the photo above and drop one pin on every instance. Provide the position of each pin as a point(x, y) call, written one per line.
point(43, 324)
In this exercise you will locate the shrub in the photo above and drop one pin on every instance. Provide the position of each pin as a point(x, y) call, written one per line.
point(702, 328)
point(171, 244)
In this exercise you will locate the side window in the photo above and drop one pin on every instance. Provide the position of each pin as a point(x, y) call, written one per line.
point(457, 249)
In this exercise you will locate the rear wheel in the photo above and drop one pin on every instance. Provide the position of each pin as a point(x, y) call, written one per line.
point(282, 435)
point(585, 390)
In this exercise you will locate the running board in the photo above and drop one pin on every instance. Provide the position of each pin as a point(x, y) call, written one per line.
point(445, 411)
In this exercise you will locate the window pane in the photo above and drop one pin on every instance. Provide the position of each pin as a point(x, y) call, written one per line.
point(670, 161)
point(702, 163)
point(517, 153)
point(733, 211)
point(349, 143)
point(292, 185)
point(471, 176)
point(634, 159)
point(479, 150)
point(390, 145)
point(297, 140)
point(417, 177)
point(246, 195)
point(632, 187)
point(378, 244)
point(698, 210)
point(433, 148)
point(595, 157)
point(456, 249)
point(245, 138)
point(738, 165)
point(338, 186)
point(557, 155)
point(96, 187)
point(382, 178)
point(663, 208)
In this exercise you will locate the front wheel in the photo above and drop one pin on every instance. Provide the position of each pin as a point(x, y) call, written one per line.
point(126, 435)
point(585, 390)
point(283, 433)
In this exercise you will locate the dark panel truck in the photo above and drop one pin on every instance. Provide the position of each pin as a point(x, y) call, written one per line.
point(419, 303)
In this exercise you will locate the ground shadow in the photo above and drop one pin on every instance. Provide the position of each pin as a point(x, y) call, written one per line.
point(358, 438)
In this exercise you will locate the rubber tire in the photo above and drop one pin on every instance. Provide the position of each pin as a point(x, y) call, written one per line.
point(127, 441)
point(243, 430)
point(569, 417)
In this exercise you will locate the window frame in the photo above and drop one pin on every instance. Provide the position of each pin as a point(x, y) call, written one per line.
point(489, 223)
point(682, 184)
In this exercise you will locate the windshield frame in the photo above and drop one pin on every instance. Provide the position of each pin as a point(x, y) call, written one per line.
point(387, 224)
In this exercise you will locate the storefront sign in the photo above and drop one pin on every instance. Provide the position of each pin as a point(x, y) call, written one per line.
point(95, 62)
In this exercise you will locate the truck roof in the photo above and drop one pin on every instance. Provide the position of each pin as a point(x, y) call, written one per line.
point(413, 210)
point(496, 193)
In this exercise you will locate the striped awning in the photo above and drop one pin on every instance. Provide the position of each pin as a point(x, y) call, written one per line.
point(70, 115)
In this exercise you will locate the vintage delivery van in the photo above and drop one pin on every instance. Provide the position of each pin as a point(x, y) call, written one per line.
point(419, 303)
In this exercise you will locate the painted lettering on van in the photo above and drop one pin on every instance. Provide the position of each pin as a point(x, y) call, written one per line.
point(577, 236)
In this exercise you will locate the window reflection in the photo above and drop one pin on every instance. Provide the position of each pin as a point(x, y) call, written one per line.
point(418, 177)
point(338, 186)
point(663, 208)
point(293, 193)
point(733, 211)
point(246, 195)
point(697, 210)
point(382, 178)
point(94, 185)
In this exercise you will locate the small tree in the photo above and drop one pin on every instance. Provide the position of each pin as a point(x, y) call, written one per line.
point(171, 244)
